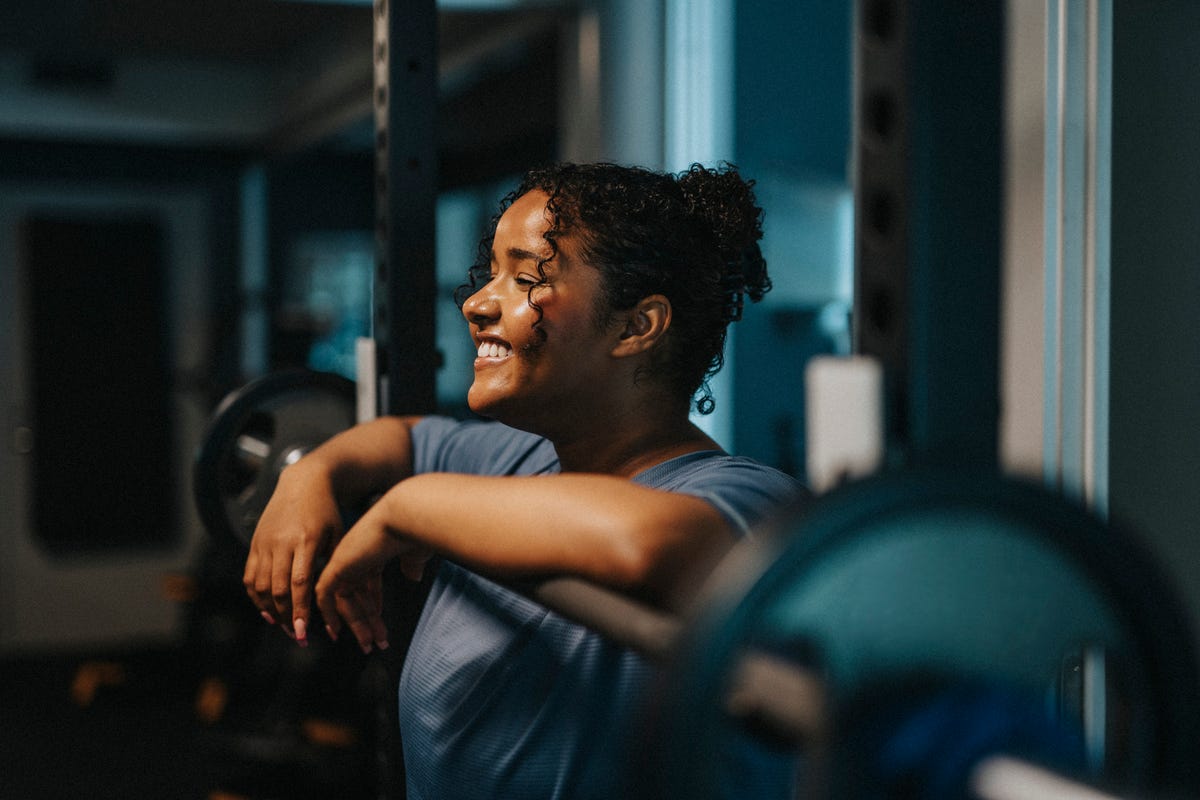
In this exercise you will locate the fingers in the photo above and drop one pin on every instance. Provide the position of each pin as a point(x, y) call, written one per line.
point(282, 571)
point(300, 589)
point(281, 590)
point(359, 609)
point(279, 576)
point(257, 580)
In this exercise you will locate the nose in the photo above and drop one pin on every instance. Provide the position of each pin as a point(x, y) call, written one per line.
point(482, 307)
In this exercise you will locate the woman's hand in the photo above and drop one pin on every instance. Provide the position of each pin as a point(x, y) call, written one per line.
point(350, 589)
point(299, 527)
point(303, 520)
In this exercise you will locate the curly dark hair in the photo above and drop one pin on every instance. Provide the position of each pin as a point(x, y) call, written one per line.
point(692, 237)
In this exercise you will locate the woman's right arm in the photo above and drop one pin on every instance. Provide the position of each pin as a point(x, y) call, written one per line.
point(302, 521)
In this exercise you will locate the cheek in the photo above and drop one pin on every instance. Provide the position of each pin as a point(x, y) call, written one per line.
point(564, 315)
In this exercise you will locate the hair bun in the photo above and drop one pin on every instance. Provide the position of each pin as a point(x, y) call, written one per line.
point(723, 203)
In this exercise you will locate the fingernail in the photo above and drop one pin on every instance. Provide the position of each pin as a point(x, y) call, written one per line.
point(366, 648)
point(270, 620)
point(332, 633)
point(382, 644)
point(301, 629)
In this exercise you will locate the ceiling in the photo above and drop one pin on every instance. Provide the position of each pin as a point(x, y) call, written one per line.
point(251, 31)
point(275, 75)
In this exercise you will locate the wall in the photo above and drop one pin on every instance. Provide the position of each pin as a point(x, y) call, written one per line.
point(1155, 399)
point(792, 136)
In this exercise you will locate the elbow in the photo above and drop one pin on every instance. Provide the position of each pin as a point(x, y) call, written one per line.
point(631, 562)
point(666, 561)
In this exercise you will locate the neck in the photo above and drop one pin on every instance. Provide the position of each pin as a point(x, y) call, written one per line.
point(628, 444)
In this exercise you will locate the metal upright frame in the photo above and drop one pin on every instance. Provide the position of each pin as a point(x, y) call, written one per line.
point(405, 101)
point(928, 140)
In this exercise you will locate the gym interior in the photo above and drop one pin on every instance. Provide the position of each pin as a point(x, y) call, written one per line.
point(979, 223)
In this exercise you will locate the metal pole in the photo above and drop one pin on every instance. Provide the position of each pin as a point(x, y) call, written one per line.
point(405, 99)
point(928, 101)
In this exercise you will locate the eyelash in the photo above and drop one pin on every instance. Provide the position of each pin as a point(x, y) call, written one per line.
point(520, 280)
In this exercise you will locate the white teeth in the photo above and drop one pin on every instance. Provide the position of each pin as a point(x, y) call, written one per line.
point(492, 350)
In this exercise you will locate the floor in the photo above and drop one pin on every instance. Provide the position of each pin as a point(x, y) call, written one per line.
point(237, 712)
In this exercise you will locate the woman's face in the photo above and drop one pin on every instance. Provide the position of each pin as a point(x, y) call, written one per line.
point(523, 378)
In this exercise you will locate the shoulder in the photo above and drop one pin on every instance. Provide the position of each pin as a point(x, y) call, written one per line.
point(745, 491)
point(478, 447)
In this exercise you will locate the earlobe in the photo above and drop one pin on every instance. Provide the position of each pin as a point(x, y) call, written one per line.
point(644, 326)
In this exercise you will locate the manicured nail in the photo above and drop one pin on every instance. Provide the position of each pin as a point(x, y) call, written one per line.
point(270, 620)
point(332, 633)
point(382, 644)
point(366, 648)
point(301, 629)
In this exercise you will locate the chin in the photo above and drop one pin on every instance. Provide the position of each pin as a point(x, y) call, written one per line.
point(483, 405)
point(501, 410)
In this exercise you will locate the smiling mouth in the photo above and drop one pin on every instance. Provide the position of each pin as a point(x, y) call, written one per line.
point(493, 350)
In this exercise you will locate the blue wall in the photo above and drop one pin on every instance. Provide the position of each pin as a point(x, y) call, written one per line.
point(792, 135)
point(1154, 445)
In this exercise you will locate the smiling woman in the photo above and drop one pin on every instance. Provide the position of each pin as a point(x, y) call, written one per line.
point(535, 323)
point(598, 307)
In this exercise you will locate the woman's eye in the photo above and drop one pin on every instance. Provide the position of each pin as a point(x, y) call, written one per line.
point(525, 280)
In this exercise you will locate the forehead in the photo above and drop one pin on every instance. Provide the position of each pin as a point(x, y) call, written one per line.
point(525, 221)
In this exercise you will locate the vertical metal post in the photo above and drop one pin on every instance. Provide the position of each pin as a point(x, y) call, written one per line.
point(928, 105)
point(406, 360)
point(1077, 276)
point(405, 58)
point(881, 240)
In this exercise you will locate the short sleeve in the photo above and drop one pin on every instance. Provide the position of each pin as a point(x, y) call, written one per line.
point(478, 447)
point(743, 490)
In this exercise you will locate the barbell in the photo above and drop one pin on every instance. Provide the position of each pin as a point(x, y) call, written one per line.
point(907, 630)
point(253, 434)
point(918, 633)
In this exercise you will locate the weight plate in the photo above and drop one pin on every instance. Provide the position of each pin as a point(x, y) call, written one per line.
point(940, 591)
point(255, 432)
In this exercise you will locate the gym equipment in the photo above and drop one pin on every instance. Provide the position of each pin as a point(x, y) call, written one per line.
point(405, 59)
point(944, 615)
point(950, 617)
point(928, 156)
point(254, 433)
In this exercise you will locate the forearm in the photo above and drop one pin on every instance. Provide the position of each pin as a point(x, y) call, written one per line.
point(605, 529)
point(365, 460)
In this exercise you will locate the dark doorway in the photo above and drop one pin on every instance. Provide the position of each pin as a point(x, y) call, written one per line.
point(102, 468)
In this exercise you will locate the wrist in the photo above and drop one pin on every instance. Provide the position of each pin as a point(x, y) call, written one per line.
point(309, 473)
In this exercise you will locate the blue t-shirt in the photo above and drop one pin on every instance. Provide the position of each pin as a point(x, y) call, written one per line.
point(500, 697)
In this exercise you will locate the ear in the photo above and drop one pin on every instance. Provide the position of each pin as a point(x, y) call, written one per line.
point(644, 326)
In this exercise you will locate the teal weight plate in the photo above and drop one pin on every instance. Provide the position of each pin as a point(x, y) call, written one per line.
point(942, 579)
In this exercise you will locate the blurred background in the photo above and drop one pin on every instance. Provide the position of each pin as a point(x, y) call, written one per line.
point(186, 203)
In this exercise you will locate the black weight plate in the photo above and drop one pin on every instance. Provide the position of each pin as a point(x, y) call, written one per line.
point(959, 578)
point(254, 433)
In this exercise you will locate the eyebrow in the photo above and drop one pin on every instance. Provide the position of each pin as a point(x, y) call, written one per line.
point(521, 254)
